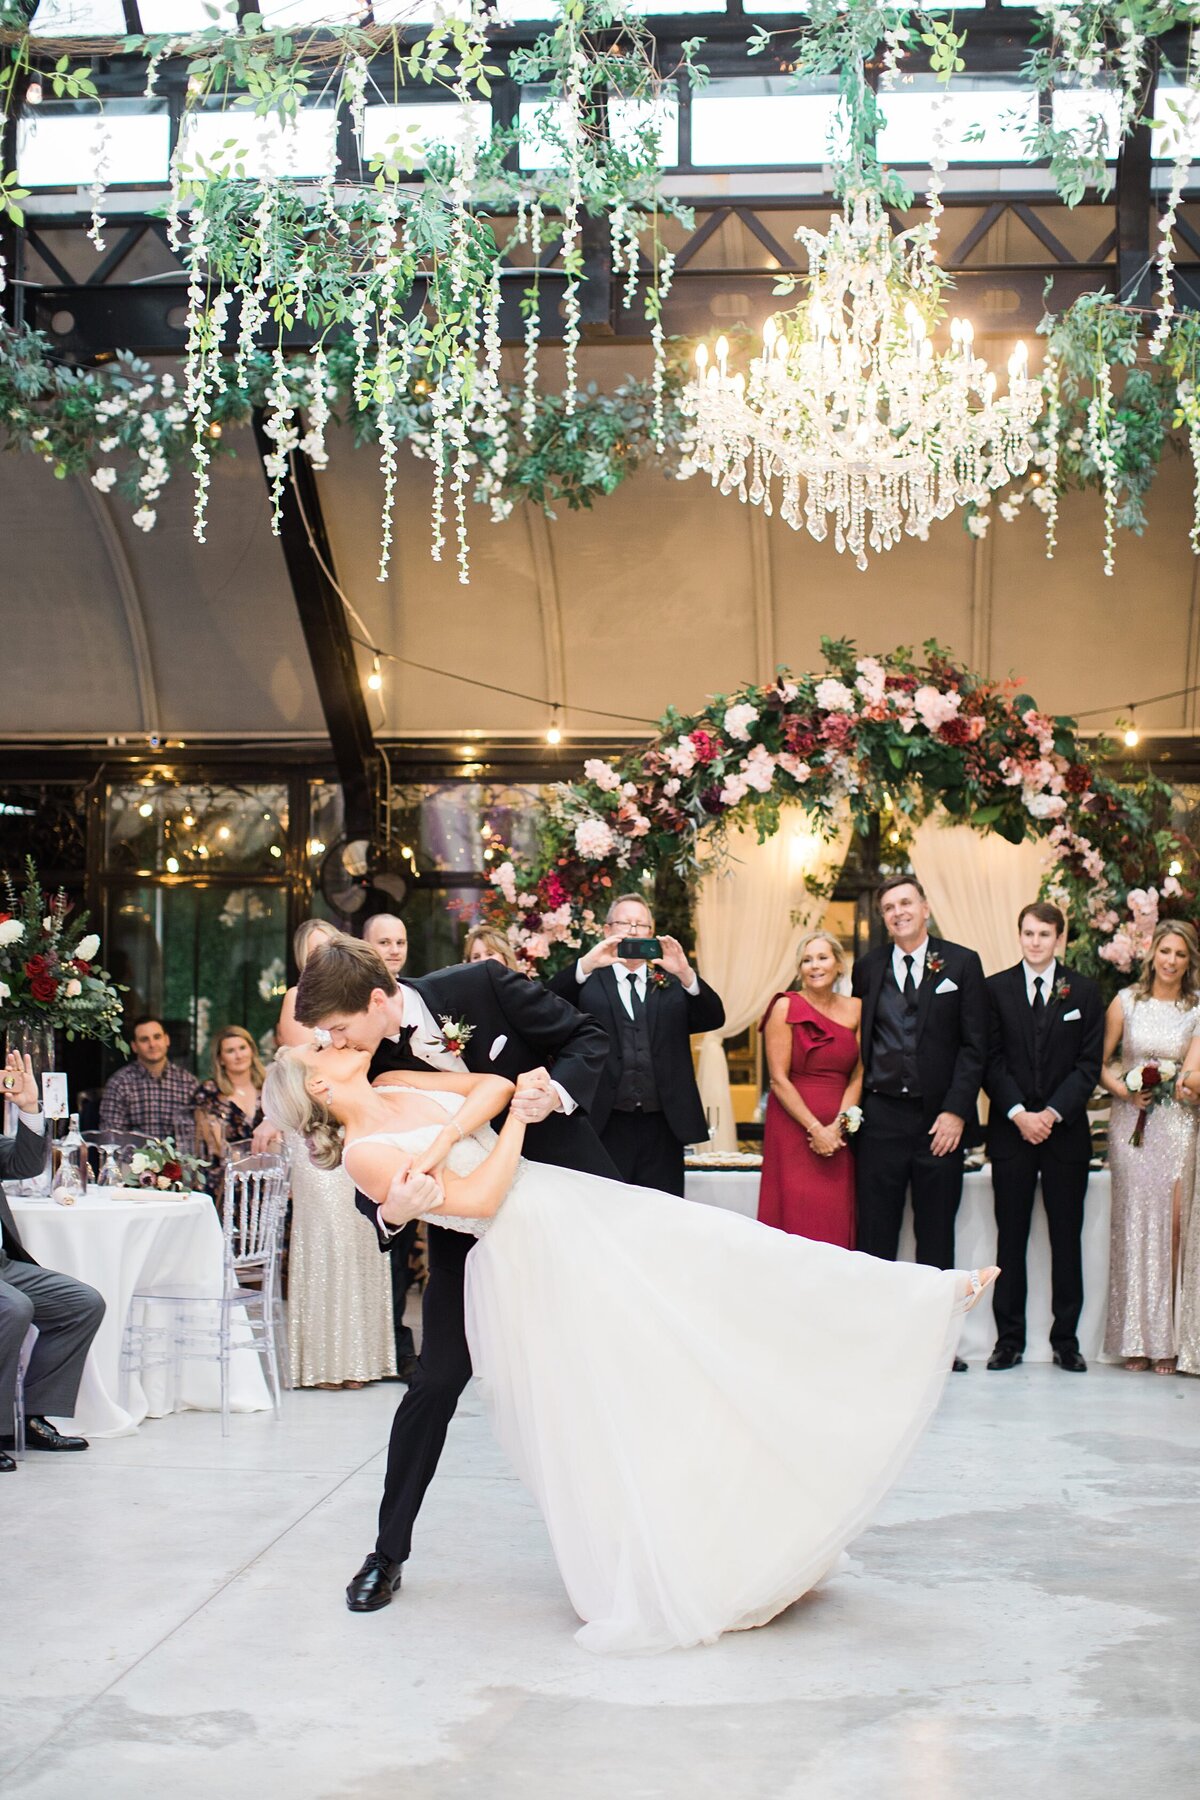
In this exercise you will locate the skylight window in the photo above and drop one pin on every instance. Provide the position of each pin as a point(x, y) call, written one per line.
point(80, 18)
point(761, 120)
point(66, 147)
point(237, 142)
point(1001, 114)
point(1071, 109)
point(420, 125)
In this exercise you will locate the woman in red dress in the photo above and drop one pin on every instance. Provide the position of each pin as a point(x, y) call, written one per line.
point(812, 1045)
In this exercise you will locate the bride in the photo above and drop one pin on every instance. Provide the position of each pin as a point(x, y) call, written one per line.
point(706, 1410)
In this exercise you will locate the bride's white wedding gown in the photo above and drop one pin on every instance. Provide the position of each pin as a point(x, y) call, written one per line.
point(707, 1410)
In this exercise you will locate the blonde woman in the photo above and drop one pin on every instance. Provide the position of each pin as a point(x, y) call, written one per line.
point(229, 1106)
point(811, 1039)
point(1153, 1020)
point(692, 1481)
point(340, 1328)
point(485, 945)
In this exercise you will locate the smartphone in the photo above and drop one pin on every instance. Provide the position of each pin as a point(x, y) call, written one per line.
point(639, 949)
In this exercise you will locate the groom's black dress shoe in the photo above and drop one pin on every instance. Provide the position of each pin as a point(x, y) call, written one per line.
point(1071, 1361)
point(1004, 1357)
point(374, 1584)
point(7, 1463)
point(40, 1434)
point(959, 1366)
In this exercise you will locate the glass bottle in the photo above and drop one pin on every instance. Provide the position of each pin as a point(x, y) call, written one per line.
point(71, 1173)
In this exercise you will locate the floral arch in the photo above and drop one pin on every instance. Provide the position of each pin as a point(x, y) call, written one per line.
point(897, 735)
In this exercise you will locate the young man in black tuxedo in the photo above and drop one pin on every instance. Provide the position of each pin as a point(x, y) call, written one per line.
point(515, 1026)
point(1045, 1045)
point(647, 1105)
point(924, 1044)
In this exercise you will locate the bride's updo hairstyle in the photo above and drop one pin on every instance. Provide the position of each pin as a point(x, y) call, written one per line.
point(287, 1102)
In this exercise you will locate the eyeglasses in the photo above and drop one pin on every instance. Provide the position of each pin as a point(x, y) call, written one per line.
point(632, 926)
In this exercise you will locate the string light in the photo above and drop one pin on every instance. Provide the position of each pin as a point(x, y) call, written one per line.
point(146, 808)
point(554, 730)
point(33, 93)
point(1131, 737)
point(172, 865)
point(375, 678)
point(1175, 868)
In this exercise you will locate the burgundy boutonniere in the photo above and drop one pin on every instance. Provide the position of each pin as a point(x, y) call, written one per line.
point(456, 1035)
point(656, 976)
point(934, 964)
point(1063, 991)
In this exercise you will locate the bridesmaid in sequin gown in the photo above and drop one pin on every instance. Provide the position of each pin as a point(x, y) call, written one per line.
point(1189, 1256)
point(1155, 1018)
point(339, 1308)
point(811, 1041)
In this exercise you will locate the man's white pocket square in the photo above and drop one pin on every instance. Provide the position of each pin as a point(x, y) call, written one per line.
point(497, 1046)
point(1073, 1014)
point(946, 987)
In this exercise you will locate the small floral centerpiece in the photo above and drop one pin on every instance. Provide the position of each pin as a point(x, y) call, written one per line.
point(49, 976)
point(1153, 1078)
point(158, 1164)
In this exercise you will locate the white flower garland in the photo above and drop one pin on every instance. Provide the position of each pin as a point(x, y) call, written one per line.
point(1053, 426)
point(1102, 454)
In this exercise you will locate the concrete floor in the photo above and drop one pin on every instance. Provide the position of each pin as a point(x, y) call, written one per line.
point(1022, 1620)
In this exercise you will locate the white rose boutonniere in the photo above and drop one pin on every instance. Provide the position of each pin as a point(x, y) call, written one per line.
point(456, 1035)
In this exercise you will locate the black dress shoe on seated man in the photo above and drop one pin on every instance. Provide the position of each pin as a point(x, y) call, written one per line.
point(7, 1463)
point(40, 1434)
point(374, 1584)
point(1071, 1361)
point(1005, 1357)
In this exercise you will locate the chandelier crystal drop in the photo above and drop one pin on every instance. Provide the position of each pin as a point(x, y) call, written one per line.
point(848, 406)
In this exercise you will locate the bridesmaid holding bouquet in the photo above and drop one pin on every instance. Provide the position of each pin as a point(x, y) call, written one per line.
point(813, 1057)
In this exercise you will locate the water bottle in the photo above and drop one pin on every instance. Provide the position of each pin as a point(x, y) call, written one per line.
point(71, 1174)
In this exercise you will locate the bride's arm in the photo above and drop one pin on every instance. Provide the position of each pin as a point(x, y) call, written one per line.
point(478, 1195)
point(485, 1096)
point(388, 1176)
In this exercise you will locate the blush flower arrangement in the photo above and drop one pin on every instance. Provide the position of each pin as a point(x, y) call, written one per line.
point(895, 736)
point(48, 970)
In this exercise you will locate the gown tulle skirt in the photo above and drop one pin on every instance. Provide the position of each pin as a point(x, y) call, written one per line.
point(707, 1410)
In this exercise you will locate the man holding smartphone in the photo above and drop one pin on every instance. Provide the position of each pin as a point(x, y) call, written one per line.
point(650, 1000)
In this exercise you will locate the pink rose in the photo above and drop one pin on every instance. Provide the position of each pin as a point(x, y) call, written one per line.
point(934, 708)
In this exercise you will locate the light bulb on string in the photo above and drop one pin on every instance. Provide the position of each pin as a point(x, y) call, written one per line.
point(554, 730)
point(375, 678)
point(1131, 736)
point(33, 93)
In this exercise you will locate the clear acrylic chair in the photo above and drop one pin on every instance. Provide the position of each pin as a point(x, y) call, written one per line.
point(23, 1357)
point(200, 1327)
point(239, 1157)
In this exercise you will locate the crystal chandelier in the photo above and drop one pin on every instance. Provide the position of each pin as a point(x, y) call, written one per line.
point(849, 398)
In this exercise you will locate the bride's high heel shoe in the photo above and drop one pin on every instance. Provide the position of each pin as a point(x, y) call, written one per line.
point(977, 1281)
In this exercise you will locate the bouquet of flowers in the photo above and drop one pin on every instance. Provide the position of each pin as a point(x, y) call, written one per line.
point(157, 1164)
point(1156, 1079)
point(48, 969)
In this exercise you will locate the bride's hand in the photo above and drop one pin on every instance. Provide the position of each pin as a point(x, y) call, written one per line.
point(438, 1151)
point(411, 1193)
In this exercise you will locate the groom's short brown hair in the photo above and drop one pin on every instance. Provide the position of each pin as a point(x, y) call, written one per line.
point(340, 980)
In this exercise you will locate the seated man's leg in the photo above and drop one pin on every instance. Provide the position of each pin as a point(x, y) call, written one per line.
point(67, 1314)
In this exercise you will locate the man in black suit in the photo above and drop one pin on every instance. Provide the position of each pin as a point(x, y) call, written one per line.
point(924, 1044)
point(514, 1027)
point(1045, 1046)
point(67, 1312)
point(647, 1105)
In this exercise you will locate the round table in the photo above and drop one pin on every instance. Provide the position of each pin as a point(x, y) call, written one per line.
point(975, 1247)
point(119, 1244)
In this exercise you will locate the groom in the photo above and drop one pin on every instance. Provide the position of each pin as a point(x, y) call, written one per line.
point(506, 1025)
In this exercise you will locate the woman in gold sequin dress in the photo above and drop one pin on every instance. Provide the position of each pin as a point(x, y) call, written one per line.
point(1189, 1255)
point(1154, 1019)
point(340, 1330)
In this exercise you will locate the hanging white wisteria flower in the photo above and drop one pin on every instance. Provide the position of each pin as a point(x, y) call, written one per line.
point(1183, 132)
point(1100, 449)
point(1050, 381)
point(101, 145)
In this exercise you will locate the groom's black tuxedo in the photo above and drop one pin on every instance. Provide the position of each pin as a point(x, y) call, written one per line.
point(938, 1044)
point(1053, 1064)
point(516, 1026)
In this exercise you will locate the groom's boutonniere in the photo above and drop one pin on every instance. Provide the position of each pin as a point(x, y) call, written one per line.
point(934, 964)
point(456, 1035)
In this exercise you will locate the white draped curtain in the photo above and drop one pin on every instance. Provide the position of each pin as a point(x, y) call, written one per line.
point(976, 884)
point(749, 918)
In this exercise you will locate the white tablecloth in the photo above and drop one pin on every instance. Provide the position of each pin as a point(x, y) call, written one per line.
point(119, 1245)
point(975, 1247)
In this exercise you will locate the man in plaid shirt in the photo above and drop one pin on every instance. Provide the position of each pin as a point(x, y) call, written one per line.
point(151, 1094)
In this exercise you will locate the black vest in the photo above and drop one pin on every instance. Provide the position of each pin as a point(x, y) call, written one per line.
point(637, 1090)
point(893, 1061)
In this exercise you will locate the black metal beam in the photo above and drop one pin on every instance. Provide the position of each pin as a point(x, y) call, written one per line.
point(1135, 207)
point(308, 556)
